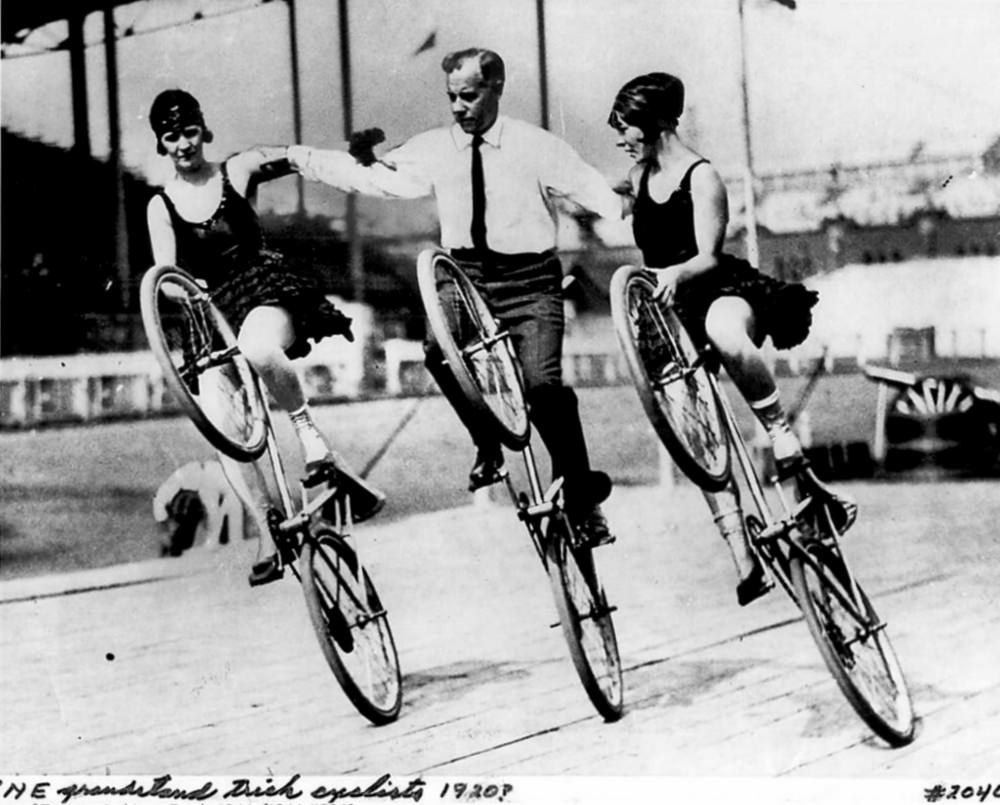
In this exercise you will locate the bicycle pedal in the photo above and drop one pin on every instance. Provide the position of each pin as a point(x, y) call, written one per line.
point(265, 571)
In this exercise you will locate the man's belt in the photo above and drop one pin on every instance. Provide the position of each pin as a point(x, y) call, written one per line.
point(491, 258)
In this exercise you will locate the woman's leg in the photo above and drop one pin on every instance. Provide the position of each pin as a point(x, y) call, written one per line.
point(728, 517)
point(264, 336)
point(731, 328)
point(245, 477)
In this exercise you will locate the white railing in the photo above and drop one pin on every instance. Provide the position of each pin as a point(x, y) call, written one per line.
point(84, 388)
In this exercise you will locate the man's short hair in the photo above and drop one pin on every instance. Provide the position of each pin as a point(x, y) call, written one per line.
point(491, 66)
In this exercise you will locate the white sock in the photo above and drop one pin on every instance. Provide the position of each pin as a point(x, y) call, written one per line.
point(772, 416)
point(314, 446)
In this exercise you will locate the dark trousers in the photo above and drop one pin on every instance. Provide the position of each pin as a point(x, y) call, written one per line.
point(525, 295)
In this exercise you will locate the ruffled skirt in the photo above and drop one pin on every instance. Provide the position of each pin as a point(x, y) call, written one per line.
point(271, 282)
point(782, 310)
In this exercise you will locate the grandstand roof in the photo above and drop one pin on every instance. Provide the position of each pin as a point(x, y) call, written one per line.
point(20, 15)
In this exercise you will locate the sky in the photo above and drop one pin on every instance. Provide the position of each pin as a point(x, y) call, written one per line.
point(848, 81)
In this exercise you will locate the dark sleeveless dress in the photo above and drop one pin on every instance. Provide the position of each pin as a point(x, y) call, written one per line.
point(665, 235)
point(227, 252)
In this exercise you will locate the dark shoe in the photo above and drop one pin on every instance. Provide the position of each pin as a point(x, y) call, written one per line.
point(486, 470)
point(597, 486)
point(753, 586)
point(592, 528)
point(843, 510)
point(265, 571)
point(366, 500)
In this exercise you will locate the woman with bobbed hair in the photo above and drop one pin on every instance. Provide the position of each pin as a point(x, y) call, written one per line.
point(679, 217)
point(202, 221)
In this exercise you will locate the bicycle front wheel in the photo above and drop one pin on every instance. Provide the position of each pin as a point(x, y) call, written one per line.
point(478, 352)
point(585, 618)
point(201, 363)
point(854, 643)
point(352, 626)
point(672, 383)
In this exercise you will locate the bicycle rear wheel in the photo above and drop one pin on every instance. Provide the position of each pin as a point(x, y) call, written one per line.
point(477, 350)
point(352, 626)
point(585, 618)
point(673, 385)
point(201, 363)
point(854, 643)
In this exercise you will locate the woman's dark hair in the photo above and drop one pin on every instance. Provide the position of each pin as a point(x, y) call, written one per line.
point(652, 103)
point(490, 64)
point(174, 109)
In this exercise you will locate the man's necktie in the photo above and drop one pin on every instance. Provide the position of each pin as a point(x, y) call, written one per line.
point(478, 229)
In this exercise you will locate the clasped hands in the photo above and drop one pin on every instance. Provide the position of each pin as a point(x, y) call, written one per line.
point(362, 147)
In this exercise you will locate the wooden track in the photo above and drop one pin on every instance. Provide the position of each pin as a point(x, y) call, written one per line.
point(177, 665)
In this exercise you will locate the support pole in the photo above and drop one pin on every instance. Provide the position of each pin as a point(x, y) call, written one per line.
point(293, 46)
point(78, 82)
point(543, 70)
point(749, 180)
point(351, 213)
point(115, 157)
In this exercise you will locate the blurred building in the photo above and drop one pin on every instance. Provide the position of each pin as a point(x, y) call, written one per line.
point(927, 206)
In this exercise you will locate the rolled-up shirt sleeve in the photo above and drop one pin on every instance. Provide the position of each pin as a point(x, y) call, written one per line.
point(567, 174)
point(396, 175)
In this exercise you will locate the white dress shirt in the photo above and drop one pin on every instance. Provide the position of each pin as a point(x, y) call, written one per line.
point(524, 169)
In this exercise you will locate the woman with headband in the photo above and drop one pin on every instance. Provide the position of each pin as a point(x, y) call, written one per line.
point(202, 221)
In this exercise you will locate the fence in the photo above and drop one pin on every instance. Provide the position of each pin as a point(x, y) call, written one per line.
point(84, 388)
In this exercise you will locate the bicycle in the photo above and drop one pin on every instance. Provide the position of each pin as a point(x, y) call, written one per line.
point(480, 355)
point(795, 537)
point(196, 347)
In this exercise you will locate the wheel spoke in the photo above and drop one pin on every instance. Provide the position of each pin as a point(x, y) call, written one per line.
point(586, 622)
point(201, 363)
point(353, 626)
point(476, 349)
point(671, 378)
point(854, 643)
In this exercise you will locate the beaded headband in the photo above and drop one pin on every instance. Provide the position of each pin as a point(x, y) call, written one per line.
point(174, 109)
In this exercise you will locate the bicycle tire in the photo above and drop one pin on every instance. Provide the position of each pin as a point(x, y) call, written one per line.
point(478, 353)
point(351, 625)
point(680, 403)
point(189, 337)
point(585, 620)
point(864, 665)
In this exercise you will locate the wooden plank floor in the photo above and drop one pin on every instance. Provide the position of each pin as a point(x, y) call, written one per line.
point(178, 665)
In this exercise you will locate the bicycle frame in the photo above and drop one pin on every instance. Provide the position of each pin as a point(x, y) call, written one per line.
point(295, 525)
point(786, 530)
point(534, 507)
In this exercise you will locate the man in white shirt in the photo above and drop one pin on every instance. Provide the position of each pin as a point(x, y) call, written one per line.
point(495, 180)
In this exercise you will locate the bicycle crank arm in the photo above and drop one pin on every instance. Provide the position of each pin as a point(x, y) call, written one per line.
point(486, 343)
point(674, 376)
point(311, 506)
point(363, 620)
point(217, 359)
point(537, 511)
point(774, 532)
point(590, 616)
point(866, 633)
